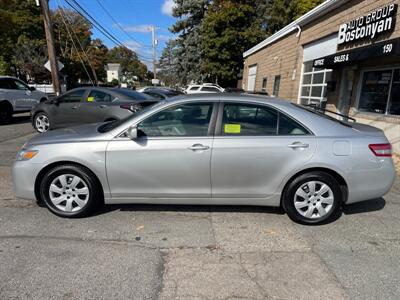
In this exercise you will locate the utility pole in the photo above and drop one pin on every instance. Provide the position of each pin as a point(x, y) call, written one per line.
point(48, 28)
point(154, 43)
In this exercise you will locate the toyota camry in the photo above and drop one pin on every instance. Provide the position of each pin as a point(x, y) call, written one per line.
point(210, 149)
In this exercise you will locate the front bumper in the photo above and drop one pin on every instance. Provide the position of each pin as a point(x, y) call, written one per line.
point(24, 174)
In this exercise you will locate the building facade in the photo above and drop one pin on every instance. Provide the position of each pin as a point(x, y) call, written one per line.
point(343, 54)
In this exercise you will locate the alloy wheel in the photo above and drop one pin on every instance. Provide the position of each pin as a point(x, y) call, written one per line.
point(69, 193)
point(42, 123)
point(313, 199)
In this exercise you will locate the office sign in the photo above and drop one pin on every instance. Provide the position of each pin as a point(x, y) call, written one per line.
point(368, 26)
point(387, 48)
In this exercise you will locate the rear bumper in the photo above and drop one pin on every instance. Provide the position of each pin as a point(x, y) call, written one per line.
point(24, 175)
point(372, 183)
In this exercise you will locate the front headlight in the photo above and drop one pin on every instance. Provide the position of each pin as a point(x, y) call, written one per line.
point(25, 154)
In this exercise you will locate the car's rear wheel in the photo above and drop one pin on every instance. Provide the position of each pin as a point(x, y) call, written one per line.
point(41, 122)
point(6, 112)
point(70, 191)
point(312, 198)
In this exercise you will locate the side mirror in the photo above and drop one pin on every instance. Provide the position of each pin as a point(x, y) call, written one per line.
point(54, 101)
point(132, 133)
point(32, 88)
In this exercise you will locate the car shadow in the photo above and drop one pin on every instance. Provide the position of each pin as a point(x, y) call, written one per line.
point(18, 119)
point(187, 208)
point(364, 206)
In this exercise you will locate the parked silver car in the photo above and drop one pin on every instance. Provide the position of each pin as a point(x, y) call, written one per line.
point(209, 149)
point(17, 97)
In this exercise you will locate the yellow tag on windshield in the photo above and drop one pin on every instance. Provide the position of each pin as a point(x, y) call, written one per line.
point(90, 99)
point(232, 128)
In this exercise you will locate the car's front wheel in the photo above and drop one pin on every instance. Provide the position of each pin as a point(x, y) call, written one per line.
point(70, 191)
point(6, 112)
point(41, 122)
point(312, 198)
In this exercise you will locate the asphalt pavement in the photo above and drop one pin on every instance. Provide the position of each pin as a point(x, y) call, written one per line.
point(192, 252)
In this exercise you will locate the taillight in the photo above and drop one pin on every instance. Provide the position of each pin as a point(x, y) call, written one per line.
point(381, 149)
point(132, 108)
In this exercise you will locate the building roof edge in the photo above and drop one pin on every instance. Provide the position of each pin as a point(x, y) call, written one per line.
point(313, 14)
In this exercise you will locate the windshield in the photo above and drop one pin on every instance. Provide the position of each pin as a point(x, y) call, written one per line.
point(321, 114)
point(106, 127)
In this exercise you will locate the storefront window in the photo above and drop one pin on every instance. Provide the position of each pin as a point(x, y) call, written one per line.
point(314, 82)
point(380, 92)
point(394, 108)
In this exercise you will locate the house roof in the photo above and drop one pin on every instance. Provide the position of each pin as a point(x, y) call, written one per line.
point(310, 16)
point(113, 67)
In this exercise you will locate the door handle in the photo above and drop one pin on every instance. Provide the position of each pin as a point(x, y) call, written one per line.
point(298, 145)
point(75, 107)
point(103, 106)
point(197, 147)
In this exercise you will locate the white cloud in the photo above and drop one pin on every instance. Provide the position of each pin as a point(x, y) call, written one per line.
point(143, 28)
point(167, 7)
point(163, 37)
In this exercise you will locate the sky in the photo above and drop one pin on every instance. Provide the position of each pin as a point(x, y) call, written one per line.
point(134, 17)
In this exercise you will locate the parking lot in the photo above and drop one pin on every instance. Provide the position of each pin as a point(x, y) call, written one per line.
point(192, 252)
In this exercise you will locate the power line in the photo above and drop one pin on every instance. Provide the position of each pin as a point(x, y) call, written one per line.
point(65, 18)
point(80, 10)
point(74, 45)
point(119, 26)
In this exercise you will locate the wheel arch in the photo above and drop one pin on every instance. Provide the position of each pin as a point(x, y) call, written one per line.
point(333, 173)
point(59, 163)
point(7, 103)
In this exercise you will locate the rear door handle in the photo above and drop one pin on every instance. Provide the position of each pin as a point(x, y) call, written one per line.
point(298, 145)
point(197, 147)
point(103, 106)
point(75, 107)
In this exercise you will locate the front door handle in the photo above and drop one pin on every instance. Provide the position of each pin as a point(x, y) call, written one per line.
point(298, 145)
point(103, 106)
point(197, 147)
point(75, 107)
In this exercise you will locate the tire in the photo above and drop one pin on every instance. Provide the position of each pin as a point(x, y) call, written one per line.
point(41, 122)
point(70, 191)
point(316, 208)
point(6, 112)
point(43, 100)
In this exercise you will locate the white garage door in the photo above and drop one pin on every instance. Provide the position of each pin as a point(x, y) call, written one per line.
point(251, 80)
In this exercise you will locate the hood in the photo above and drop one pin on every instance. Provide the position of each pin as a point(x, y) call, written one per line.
point(82, 133)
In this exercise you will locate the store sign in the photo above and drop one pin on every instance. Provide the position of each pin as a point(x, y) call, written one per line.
point(368, 26)
point(387, 48)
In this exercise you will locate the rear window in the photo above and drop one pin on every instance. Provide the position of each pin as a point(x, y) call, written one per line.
point(194, 88)
point(132, 94)
point(321, 114)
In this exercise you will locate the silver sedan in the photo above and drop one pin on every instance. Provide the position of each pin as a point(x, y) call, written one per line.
point(209, 149)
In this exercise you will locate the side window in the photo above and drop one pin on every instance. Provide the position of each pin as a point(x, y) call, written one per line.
point(4, 84)
point(264, 85)
point(97, 96)
point(194, 88)
point(72, 97)
point(210, 89)
point(20, 86)
point(182, 120)
point(249, 119)
point(287, 126)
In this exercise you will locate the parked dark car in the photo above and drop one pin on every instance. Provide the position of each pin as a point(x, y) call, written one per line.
point(162, 93)
point(88, 105)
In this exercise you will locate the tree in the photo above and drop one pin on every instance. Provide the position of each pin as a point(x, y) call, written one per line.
point(283, 12)
point(169, 63)
point(190, 14)
point(20, 23)
point(129, 61)
point(229, 28)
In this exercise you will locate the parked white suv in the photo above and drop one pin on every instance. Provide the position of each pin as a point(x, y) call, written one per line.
point(203, 88)
point(16, 97)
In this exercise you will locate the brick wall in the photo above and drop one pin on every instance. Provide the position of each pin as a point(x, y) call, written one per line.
point(285, 56)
